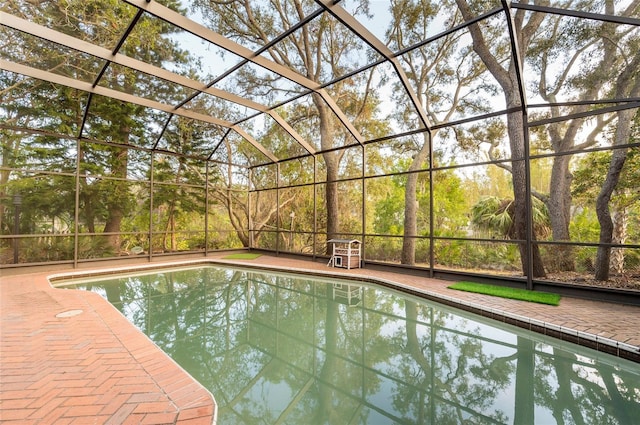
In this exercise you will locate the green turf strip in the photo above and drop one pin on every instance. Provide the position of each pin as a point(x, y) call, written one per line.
point(505, 292)
point(242, 256)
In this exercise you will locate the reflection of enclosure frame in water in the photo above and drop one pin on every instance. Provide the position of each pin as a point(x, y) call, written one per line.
point(324, 352)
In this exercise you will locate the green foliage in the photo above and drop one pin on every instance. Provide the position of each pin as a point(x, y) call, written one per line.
point(584, 226)
point(495, 215)
point(492, 213)
point(589, 176)
point(389, 212)
point(450, 203)
point(61, 248)
point(460, 254)
point(591, 171)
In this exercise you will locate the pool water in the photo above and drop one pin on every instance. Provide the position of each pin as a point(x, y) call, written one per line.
point(287, 349)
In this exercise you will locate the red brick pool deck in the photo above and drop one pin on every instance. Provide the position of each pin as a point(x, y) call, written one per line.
point(69, 357)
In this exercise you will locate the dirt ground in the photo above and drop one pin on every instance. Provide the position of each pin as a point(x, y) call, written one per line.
point(626, 281)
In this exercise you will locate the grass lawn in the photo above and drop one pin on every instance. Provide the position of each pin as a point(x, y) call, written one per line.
point(505, 292)
point(242, 256)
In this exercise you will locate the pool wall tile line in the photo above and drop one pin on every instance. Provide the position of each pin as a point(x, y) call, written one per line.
point(446, 296)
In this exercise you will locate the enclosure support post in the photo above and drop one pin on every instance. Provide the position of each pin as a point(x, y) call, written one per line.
point(76, 212)
point(364, 205)
point(277, 209)
point(315, 206)
point(206, 209)
point(250, 214)
point(17, 201)
point(151, 181)
point(432, 255)
point(516, 57)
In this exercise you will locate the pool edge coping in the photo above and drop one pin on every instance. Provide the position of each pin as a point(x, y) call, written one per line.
point(186, 409)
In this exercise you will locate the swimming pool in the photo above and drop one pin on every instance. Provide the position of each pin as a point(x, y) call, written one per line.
point(280, 348)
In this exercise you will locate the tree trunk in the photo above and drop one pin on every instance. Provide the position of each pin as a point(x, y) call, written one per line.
point(563, 136)
point(113, 226)
point(603, 257)
point(515, 127)
point(332, 198)
point(332, 161)
point(507, 78)
point(525, 377)
point(620, 220)
point(115, 205)
point(170, 230)
point(628, 83)
point(4, 176)
point(411, 205)
point(559, 205)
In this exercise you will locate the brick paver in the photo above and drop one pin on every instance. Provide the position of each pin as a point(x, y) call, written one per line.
point(95, 367)
point(92, 367)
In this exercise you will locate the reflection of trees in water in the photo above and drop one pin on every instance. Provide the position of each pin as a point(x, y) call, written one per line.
point(326, 394)
point(273, 350)
point(584, 391)
point(458, 378)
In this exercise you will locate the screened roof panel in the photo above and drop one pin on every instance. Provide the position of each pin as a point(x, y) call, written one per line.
point(102, 25)
point(322, 62)
point(182, 39)
point(412, 23)
point(205, 103)
point(455, 89)
point(127, 80)
point(395, 110)
point(190, 137)
point(157, 42)
point(272, 90)
point(240, 21)
point(48, 56)
point(235, 149)
point(494, 29)
point(250, 55)
point(371, 100)
point(375, 16)
point(273, 136)
point(222, 151)
point(36, 104)
point(209, 61)
point(302, 115)
point(205, 14)
point(617, 8)
point(121, 122)
point(482, 7)
point(555, 63)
